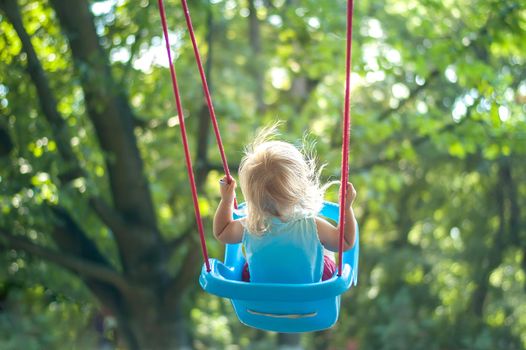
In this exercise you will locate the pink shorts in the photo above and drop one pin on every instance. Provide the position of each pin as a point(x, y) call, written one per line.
point(329, 268)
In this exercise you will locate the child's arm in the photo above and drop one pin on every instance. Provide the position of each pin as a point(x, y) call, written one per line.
point(226, 229)
point(330, 235)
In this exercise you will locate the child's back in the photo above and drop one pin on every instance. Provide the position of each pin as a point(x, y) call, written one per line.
point(289, 252)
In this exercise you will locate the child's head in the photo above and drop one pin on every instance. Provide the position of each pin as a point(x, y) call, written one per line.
point(277, 179)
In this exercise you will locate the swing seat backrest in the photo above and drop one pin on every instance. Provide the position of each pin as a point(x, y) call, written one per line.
point(282, 307)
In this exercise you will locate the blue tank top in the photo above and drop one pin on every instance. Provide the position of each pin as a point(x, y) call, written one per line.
point(288, 252)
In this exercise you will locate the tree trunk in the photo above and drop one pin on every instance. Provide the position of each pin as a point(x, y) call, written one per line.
point(289, 341)
point(142, 297)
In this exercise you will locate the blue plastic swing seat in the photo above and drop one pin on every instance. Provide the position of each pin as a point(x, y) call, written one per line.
point(279, 307)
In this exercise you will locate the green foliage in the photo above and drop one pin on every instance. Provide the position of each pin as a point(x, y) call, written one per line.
point(439, 119)
point(43, 307)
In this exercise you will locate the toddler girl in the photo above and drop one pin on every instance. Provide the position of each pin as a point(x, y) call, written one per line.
point(283, 197)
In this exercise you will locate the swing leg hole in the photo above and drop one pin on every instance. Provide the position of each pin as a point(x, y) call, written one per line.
point(291, 316)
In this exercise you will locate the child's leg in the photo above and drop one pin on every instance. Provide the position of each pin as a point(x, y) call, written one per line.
point(245, 275)
point(329, 268)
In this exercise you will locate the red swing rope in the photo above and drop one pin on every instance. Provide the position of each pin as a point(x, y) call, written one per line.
point(346, 115)
point(206, 90)
point(345, 130)
point(188, 159)
point(346, 133)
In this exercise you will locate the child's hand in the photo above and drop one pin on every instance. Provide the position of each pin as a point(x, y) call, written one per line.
point(227, 190)
point(350, 195)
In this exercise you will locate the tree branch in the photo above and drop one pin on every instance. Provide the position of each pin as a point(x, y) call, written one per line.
point(128, 248)
point(412, 95)
point(415, 141)
point(104, 282)
point(109, 216)
point(68, 261)
point(70, 237)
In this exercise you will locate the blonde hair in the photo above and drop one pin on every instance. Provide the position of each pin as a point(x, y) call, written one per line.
point(277, 180)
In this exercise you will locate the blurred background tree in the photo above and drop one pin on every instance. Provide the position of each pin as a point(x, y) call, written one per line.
point(97, 236)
